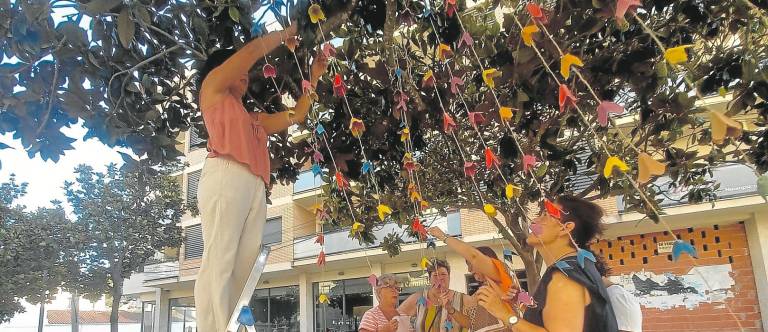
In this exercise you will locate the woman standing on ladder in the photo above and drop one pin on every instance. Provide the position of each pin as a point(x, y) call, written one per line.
point(231, 197)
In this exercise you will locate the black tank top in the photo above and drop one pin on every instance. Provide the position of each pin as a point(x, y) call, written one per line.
point(598, 315)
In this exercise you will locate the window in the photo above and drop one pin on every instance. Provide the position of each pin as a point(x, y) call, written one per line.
point(273, 231)
point(195, 139)
point(276, 309)
point(147, 316)
point(348, 301)
point(193, 179)
point(193, 242)
point(182, 315)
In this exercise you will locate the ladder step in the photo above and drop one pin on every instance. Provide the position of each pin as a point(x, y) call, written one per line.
point(242, 315)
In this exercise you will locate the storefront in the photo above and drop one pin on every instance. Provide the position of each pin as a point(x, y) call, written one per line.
point(276, 309)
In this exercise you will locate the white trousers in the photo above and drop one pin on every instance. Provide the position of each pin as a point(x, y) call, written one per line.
point(233, 208)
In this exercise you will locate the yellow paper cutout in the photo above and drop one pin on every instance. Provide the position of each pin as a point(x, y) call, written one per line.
point(611, 163)
point(489, 75)
point(357, 226)
point(505, 113)
point(676, 55)
point(316, 13)
point(528, 32)
point(323, 299)
point(722, 127)
point(424, 262)
point(384, 211)
point(357, 127)
point(566, 62)
point(511, 191)
point(404, 134)
point(442, 50)
point(647, 167)
point(489, 210)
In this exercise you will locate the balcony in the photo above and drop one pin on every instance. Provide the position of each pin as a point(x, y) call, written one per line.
point(339, 242)
point(306, 188)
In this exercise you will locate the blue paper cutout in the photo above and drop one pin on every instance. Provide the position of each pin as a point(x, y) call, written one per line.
point(367, 167)
point(320, 129)
point(256, 29)
point(582, 254)
point(562, 266)
point(681, 246)
point(398, 72)
point(448, 325)
point(431, 244)
point(508, 254)
point(316, 170)
point(246, 317)
point(422, 301)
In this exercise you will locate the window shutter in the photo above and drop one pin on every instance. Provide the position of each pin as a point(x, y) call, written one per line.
point(193, 242)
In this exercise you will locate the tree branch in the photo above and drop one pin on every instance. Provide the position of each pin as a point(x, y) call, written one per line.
point(50, 99)
point(137, 66)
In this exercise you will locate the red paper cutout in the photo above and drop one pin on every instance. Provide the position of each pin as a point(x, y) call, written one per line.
point(470, 169)
point(450, 7)
point(341, 182)
point(339, 88)
point(553, 210)
point(455, 83)
point(321, 258)
point(536, 12)
point(566, 98)
point(448, 124)
point(490, 158)
point(419, 228)
point(269, 71)
point(320, 239)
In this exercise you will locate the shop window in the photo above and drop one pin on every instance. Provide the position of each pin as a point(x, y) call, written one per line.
point(276, 309)
point(182, 315)
point(348, 301)
point(147, 316)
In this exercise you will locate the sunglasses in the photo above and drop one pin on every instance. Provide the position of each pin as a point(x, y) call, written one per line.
point(396, 288)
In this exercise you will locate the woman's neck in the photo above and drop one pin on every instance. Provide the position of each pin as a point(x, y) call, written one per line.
point(555, 251)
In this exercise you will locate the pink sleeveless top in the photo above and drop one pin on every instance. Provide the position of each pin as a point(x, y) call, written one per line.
point(238, 135)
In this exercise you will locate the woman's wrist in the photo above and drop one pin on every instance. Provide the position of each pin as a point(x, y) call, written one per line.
point(445, 238)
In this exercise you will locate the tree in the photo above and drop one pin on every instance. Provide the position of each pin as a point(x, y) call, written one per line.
point(128, 216)
point(35, 251)
point(137, 62)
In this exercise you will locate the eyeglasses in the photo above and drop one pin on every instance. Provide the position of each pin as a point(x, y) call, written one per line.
point(395, 287)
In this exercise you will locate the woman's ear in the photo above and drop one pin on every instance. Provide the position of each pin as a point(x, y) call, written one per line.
point(568, 227)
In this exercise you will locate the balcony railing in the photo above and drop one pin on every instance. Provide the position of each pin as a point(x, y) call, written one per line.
point(306, 182)
point(160, 271)
point(339, 241)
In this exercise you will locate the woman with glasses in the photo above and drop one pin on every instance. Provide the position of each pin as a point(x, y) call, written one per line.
point(437, 309)
point(570, 297)
point(383, 317)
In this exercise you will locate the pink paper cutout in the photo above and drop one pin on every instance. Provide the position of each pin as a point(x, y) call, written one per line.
point(606, 107)
point(476, 118)
point(329, 50)
point(269, 71)
point(306, 86)
point(470, 169)
point(448, 124)
point(318, 157)
point(455, 83)
point(373, 280)
point(525, 299)
point(529, 161)
point(466, 40)
point(565, 98)
point(623, 6)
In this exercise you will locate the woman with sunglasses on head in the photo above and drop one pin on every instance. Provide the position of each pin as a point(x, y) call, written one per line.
point(569, 297)
point(383, 317)
point(435, 307)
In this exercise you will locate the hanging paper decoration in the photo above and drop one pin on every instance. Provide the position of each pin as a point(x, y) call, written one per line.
point(408, 163)
point(323, 299)
point(328, 50)
point(562, 266)
point(455, 83)
point(357, 127)
point(536, 229)
point(623, 6)
point(402, 99)
point(476, 119)
point(450, 7)
point(566, 62)
point(762, 186)
point(680, 247)
point(489, 210)
point(583, 254)
point(490, 159)
point(470, 169)
point(528, 32)
point(269, 71)
point(423, 205)
point(398, 72)
point(606, 107)
point(373, 280)
point(315, 208)
point(292, 42)
point(422, 301)
point(318, 157)
point(428, 80)
point(443, 52)
point(341, 182)
point(246, 317)
point(612, 162)
point(552, 209)
point(322, 216)
point(448, 124)
point(321, 258)
point(367, 167)
point(448, 325)
point(306, 87)
point(316, 13)
point(536, 12)
point(357, 227)
point(316, 170)
point(529, 161)
point(319, 129)
point(505, 113)
point(676, 55)
point(320, 239)
point(525, 299)
point(488, 76)
point(511, 191)
point(722, 127)
point(424, 262)
point(418, 227)
point(647, 167)
point(566, 98)
point(466, 40)
point(339, 88)
point(431, 244)
point(722, 91)
point(383, 211)
point(507, 253)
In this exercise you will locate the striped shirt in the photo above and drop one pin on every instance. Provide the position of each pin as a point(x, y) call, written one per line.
point(373, 320)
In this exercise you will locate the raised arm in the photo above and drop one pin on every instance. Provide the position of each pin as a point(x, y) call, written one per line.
point(221, 78)
point(480, 263)
point(408, 307)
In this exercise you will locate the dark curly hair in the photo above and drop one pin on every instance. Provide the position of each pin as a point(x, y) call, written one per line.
point(585, 215)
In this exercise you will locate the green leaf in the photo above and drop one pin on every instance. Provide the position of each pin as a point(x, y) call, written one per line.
point(234, 14)
point(125, 28)
point(97, 7)
point(541, 170)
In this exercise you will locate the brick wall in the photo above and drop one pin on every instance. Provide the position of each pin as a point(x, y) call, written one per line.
point(716, 245)
point(474, 222)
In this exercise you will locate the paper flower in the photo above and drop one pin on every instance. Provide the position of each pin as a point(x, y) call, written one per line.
point(450, 7)
point(404, 134)
point(466, 40)
point(328, 50)
point(292, 42)
point(612, 162)
point(339, 88)
point(536, 12)
point(525, 299)
point(505, 113)
point(402, 101)
point(680, 247)
point(448, 124)
point(357, 227)
point(246, 316)
point(722, 127)
point(408, 163)
point(341, 182)
point(357, 127)
point(443, 52)
point(323, 299)
point(647, 167)
point(428, 80)
point(605, 108)
point(528, 32)
point(373, 280)
point(490, 158)
point(423, 205)
point(367, 167)
point(418, 227)
point(320, 239)
point(316, 13)
point(321, 258)
point(511, 191)
point(676, 55)
point(623, 6)
point(475, 119)
point(383, 211)
point(565, 98)
point(470, 169)
point(455, 83)
point(489, 75)
point(489, 210)
point(568, 60)
point(269, 71)
point(529, 161)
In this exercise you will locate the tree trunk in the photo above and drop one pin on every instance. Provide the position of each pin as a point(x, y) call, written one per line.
point(531, 270)
point(117, 293)
point(74, 311)
point(41, 318)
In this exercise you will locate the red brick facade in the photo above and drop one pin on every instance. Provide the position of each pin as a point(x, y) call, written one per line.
point(716, 245)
